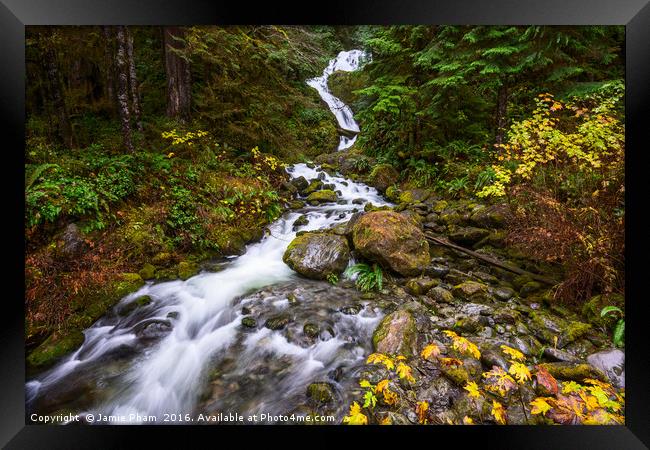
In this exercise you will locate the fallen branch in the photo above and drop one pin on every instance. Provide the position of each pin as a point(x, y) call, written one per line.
point(487, 259)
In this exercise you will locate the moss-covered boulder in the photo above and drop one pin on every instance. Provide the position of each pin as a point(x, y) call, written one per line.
point(383, 176)
point(277, 322)
point(392, 193)
point(440, 295)
point(148, 271)
point(320, 392)
point(314, 185)
point(125, 310)
point(470, 290)
point(494, 216)
point(574, 371)
point(468, 236)
point(395, 334)
point(324, 196)
point(549, 328)
point(125, 284)
point(300, 183)
point(420, 286)
point(187, 269)
point(392, 240)
point(54, 347)
point(414, 196)
point(316, 255)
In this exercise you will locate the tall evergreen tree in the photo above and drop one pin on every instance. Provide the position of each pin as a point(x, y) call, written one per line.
point(121, 64)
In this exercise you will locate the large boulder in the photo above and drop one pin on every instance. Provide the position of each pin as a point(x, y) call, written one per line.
point(383, 176)
point(324, 196)
point(494, 216)
point(392, 240)
point(316, 255)
point(395, 334)
point(612, 363)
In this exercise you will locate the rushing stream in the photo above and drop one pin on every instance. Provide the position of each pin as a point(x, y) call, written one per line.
point(187, 350)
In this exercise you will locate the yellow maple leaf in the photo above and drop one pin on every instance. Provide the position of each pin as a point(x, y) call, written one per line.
point(473, 390)
point(355, 417)
point(380, 358)
point(390, 397)
point(430, 350)
point(540, 405)
point(513, 353)
point(381, 386)
point(404, 371)
point(499, 412)
point(421, 411)
point(365, 384)
point(468, 421)
point(519, 371)
point(386, 421)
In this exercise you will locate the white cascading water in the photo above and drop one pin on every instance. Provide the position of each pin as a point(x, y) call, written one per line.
point(345, 61)
point(121, 370)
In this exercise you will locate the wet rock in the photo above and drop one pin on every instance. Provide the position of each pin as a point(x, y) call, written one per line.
point(493, 357)
point(548, 328)
point(491, 216)
point(441, 295)
point(314, 186)
point(311, 329)
point(54, 347)
point(382, 177)
point(395, 334)
point(296, 204)
point(152, 328)
point(249, 322)
point(469, 289)
point(529, 288)
point(324, 196)
point(351, 309)
point(471, 324)
point(301, 221)
point(320, 392)
point(316, 255)
point(555, 354)
point(392, 240)
point(574, 371)
point(612, 363)
point(358, 201)
point(420, 286)
point(506, 316)
point(468, 236)
point(128, 308)
point(504, 293)
point(277, 322)
point(436, 270)
point(300, 183)
point(458, 375)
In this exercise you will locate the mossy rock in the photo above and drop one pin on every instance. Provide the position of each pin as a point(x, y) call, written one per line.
point(324, 196)
point(54, 347)
point(127, 283)
point(383, 176)
point(249, 322)
point(440, 295)
point(530, 288)
point(314, 186)
point(392, 240)
point(392, 193)
point(395, 334)
point(296, 204)
point(468, 236)
point(148, 271)
point(320, 392)
point(311, 329)
point(301, 221)
point(187, 269)
point(470, 290)
point(127, 309)
point(458, 375)
point(316, 255)
point(277, 322)
point(420, 286)
point(548, 328)
point(574, 371)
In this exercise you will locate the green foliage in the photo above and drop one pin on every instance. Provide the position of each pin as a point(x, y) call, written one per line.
point(332, 278)
point(368, 278)
point(618, 336)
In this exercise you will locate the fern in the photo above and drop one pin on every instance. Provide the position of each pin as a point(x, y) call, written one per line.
point(368, 278)
point(37, 172)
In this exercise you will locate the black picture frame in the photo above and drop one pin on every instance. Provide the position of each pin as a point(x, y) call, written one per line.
point(16, 14)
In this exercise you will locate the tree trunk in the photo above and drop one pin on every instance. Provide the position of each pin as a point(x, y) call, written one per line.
point(64, 128)
point(178, 76)
point(133, 81)
point(109, 51)
point(502, 112)
point(123, 87)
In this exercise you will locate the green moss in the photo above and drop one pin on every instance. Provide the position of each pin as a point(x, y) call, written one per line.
point(54, 347)
point(326, 195)
point(148, 271)
point(186, 270)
